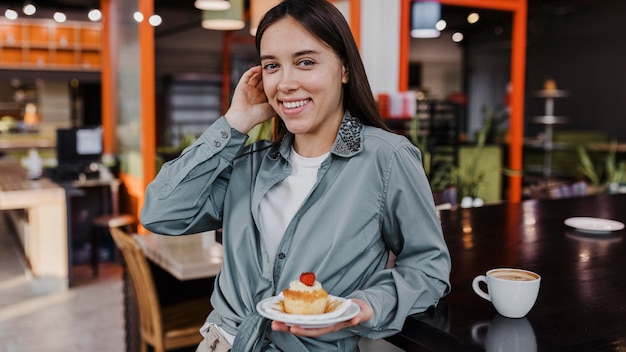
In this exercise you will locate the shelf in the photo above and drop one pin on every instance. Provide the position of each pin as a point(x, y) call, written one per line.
point(550, 120)
point(46, 45)
point(542, 145)
point(552, 94)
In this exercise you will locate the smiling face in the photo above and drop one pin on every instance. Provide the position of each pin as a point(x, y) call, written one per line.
point(303, 78)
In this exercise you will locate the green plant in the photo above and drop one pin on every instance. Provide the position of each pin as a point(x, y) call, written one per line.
point(494, 120)
point(467, 180)
point(471, 179)
point(261, 131)
point(187, 140)
point(421, 142)
point(602, 174)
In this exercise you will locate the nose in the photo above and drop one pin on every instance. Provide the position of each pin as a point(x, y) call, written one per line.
point(288, 81)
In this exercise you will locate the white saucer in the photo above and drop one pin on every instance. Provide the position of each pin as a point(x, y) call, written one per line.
point(346, 311)
point(594, 225)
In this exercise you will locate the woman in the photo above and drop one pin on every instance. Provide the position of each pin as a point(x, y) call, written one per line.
point(335, 194)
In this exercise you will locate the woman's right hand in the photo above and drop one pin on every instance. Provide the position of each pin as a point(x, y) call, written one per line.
point(249, 106)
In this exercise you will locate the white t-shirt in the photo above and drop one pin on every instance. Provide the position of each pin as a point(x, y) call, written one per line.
point(282, 202)
point(279, 206)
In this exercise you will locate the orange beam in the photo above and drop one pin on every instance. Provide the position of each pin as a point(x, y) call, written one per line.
point(147, 96)
point(405, 43)
point(516, 120)
point(226, 40)
point(355, 20)
point(504, 5)
point(518, 69)
point(107, 78)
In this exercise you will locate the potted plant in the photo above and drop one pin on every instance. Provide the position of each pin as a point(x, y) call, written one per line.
point(603, 176)
point(469, 179)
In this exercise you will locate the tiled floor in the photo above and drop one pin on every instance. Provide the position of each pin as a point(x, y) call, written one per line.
point(39, 314)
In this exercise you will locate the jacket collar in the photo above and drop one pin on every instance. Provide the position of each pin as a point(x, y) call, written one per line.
point(349, 139)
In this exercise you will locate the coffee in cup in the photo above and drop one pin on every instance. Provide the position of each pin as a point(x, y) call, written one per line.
point(512, 292)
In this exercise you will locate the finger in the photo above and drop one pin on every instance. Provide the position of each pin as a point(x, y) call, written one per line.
point(315, 332)
point(259, 85)
point(257, 82)
point(278, 326)
point(253, 75)
point(246, 76)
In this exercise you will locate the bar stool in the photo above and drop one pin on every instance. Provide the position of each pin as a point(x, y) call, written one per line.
point(104, 222)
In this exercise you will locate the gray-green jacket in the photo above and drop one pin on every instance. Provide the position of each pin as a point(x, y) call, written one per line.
point(371, 196)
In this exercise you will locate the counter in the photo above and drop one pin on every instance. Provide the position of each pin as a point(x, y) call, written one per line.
point(43, 231)
point(13, 141)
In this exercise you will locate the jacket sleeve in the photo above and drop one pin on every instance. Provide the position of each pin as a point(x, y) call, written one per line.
point(412, 230)
point(187, 195)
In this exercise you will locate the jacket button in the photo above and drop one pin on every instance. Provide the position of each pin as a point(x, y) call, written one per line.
point(281, 256)
point(217, 144)
point(224, 134)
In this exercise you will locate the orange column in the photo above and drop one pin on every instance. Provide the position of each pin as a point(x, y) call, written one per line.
point(516, 120)
point(147, 93)
point(355, 20)
point(405, 43)
point(226, 41)
point(506, 5)
point(518, 69)
point(107, 77)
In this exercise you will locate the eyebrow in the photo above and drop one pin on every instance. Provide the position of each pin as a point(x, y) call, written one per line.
point(296, 54)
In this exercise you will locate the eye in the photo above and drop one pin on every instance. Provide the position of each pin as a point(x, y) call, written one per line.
point(270, 67)
point(306, 63)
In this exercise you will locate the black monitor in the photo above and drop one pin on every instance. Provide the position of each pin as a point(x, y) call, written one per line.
point(78, 145)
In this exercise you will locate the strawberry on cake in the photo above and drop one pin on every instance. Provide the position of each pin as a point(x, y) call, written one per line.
point(305, 296)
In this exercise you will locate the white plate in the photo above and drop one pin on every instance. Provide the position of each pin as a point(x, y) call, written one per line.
point(594, 225)
point(346, 311)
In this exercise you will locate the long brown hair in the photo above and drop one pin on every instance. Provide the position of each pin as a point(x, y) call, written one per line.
point(325, 22)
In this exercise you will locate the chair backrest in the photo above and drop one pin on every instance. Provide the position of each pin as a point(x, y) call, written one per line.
point(143, 283)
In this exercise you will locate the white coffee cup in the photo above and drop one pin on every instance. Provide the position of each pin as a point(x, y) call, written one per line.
point(512, 292)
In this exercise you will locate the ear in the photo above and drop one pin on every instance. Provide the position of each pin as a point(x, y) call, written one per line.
point(345, 78)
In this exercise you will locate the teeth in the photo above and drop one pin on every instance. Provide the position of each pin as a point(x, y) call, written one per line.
point(294, 104)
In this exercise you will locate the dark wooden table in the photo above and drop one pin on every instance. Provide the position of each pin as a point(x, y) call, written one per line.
point(582, 299)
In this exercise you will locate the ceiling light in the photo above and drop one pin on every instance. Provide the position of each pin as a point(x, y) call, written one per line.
point(441, 25)
point(94, 15)
point(10, 14)
point(212, 5)
point(155, 20)
point(231, 19)
point(29, 9)
point(138, 16)
point(424, 16)
point(59, 17)
point(457, 37)
point(473, 18)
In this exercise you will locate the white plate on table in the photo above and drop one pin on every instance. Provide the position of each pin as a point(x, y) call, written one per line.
point(270, 308)
point(594, 225)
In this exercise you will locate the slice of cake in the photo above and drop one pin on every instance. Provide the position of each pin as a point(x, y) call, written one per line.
point(305, 296)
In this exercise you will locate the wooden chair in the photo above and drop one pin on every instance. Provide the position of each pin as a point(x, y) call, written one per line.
point(164, 328)
point(103, 222)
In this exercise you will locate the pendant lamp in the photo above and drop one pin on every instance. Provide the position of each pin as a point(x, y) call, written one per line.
point(212, 5)
point(258, 8)
point(424, 17)
point(226, 20)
